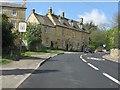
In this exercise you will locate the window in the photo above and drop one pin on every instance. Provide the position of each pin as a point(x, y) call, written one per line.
point(47, 29)
point(14, 12)
point(81, 26)
point(61, 20)
point(14, 24)
point(78, 45)
point(46, 42)
point(62, 44)
point(62, 32)
point(73, 34)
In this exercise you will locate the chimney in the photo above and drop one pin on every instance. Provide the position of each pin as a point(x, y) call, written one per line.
point(81, 21)
point(33, 10)
point(63, 14)
point(24, 3)
point(50, 10)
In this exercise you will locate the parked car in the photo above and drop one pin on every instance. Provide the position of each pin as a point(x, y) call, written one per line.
point(88, 50)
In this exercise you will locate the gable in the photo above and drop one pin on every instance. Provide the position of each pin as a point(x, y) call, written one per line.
point(32, 19)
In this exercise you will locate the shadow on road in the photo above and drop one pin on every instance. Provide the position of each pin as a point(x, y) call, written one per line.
point(34, 58)
point(25, 71)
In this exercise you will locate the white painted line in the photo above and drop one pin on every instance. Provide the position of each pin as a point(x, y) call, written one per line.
point(85, 54)
point(110, 77)
point(98, 59)
point(81, 56)
point(93, 66)
point(84, 60)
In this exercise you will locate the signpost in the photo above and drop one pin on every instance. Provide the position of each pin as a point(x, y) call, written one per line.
point(22, 28)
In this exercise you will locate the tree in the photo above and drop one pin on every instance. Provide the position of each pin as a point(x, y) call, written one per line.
point(97, 37)
point(90, 26)
point(33, 37)
point(7, 36)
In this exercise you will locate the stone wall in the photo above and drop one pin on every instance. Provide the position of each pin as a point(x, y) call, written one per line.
point(115, 53)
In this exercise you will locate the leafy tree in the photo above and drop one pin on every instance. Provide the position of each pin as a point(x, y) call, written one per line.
point(90, 26)
point(97, 37)
point(33, 37)
point(7, 36)
point(113, 35)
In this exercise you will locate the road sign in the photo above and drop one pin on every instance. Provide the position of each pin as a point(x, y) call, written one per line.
point(22, 27)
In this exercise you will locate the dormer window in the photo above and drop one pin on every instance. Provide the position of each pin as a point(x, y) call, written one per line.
point(60, 20)
point(71, 22)
point(81, 26)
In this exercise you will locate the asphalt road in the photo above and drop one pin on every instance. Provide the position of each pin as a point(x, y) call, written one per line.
point(75, 70)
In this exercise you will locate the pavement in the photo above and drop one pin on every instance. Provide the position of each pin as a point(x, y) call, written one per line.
point(109, 57)
point(15, 73)
point(75, 70)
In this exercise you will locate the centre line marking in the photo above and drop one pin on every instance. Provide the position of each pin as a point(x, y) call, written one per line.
point(93, 66)
point(110, 77)
point(84, 60)
point(81, 56)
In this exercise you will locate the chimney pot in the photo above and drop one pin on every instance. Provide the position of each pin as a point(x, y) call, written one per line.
point(81, 20)
point(63, 14)
point(33, 10)
point(50, 10)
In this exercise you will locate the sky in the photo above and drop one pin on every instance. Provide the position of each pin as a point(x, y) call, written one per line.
point(99, 12)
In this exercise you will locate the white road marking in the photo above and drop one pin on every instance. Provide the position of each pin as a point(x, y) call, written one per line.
point(81, 56)
point(93, 66)
point(85, 54)
point(98, 59)
point(110, 77)
point(84, 60)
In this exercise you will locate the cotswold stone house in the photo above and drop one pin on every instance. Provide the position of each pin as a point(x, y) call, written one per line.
point(15, 12)
point(59, 31)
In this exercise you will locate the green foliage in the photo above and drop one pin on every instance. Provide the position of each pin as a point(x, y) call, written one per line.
point(113, 38)
point(7, 36)
point(33, 37)
point(97, 38)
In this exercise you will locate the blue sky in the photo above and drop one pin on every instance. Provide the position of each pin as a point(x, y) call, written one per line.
point(98, 12)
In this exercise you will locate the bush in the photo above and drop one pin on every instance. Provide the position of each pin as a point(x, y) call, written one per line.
point(33, 37)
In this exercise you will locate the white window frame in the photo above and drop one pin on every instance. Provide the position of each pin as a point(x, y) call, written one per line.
point(14, 12)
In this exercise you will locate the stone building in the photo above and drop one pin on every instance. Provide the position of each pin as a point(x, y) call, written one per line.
point(59, 31)
point(15, 12)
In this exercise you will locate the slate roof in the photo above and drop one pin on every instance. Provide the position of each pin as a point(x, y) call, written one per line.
point(66, 22)
point(6, 4)
point(44, 20)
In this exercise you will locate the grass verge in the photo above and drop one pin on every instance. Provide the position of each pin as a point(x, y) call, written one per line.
point(29, 53)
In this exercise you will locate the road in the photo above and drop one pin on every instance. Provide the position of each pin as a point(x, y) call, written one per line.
point(75, 70)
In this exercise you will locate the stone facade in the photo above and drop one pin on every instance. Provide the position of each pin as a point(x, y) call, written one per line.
point(15, 12)
point(60, 32)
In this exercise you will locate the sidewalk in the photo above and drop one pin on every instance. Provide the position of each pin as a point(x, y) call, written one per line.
point(108, 57)
point(15, 73)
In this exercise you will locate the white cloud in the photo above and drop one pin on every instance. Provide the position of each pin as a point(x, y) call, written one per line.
point(96, 16)
point(59, 12)
point(40, 12)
